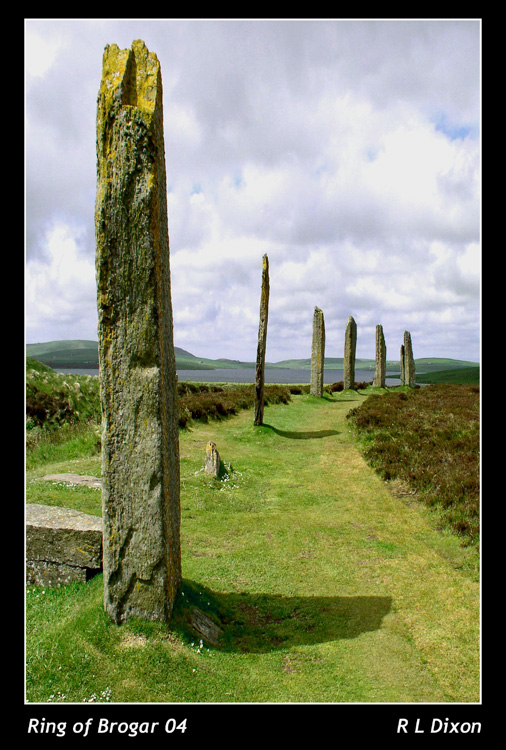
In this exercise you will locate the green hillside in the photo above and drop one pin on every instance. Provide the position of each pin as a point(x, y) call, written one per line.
point(50, 347)
point(67, 354)
point(433, 364)
point(457, 376)
point(79, 353)
point(70, 354)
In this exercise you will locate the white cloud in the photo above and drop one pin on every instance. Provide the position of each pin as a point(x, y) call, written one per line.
point(346, 151)
point(470, 263)
point(41, 52)
point(61, 291)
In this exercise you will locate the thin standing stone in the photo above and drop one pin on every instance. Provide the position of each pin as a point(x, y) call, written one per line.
point(350, 346)
point(317, 354)
point(381, 359)
point(408, 375)
point(140, 456)
point(262, 344)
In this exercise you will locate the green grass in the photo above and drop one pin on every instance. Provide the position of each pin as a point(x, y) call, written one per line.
point(327, 587)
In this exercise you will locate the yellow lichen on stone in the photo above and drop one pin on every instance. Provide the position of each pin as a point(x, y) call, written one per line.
point(131, 77)
point(114, 65)
point(148, 69)
point(135, 329)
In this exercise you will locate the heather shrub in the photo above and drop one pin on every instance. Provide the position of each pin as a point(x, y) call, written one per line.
point(213, 402)
point(298, 390)
point(339, 386)
point(428, 438)
point(336, 387)
point(53, 399)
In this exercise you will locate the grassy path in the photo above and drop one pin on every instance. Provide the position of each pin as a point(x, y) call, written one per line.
point(376, 613)
point(328, 587)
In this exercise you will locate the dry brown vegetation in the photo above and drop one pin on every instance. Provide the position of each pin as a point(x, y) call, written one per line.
point(428, 438)
point(202, 402)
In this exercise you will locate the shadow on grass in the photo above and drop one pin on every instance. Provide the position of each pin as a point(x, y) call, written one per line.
point(259, 623)
point(302, 435)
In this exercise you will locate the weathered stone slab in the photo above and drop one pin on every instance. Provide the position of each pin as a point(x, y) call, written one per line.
point(205, 626)
point(262, 344)
point(41, 573)
point(381, 358)
point(350, 346)
point(317, 354)
point(74, 479)
point(62, 545)
point(213, 460)
point(140, 442)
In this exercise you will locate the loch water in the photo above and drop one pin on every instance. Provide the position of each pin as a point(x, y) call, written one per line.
point(278, 375)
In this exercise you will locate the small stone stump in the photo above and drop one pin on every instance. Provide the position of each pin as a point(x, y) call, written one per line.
point(213, 460)
point(62, 545)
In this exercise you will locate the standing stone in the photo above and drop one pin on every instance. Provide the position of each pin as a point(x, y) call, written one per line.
point(408, 375)
point(381, 359)
point(350, 346)
point(140, 457)
point(317, 354)
point(262, 343)
point(213, 460)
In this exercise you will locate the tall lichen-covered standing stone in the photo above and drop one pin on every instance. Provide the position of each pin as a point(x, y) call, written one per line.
point(408, 375)
point(317, 354)
point(381, 358)
point(140, 444)
point(350, 346)
point(262, 344)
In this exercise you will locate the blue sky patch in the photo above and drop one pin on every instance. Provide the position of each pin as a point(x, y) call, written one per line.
point(455, 131)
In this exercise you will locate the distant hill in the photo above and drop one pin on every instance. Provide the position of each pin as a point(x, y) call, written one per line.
point(457, 376)
point(67, 354)
point(331, 363)
point(81, 353)
point(433, 364)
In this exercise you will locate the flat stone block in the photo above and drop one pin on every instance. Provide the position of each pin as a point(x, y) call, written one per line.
point(205, 626)
point(41, 573)
point(75, 479)
point(63, 536)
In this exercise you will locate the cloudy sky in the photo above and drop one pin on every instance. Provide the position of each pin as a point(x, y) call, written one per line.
point(348, 151)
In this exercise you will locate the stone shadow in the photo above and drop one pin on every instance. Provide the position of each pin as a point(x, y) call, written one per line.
point(312, 435)
point(259, 623)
